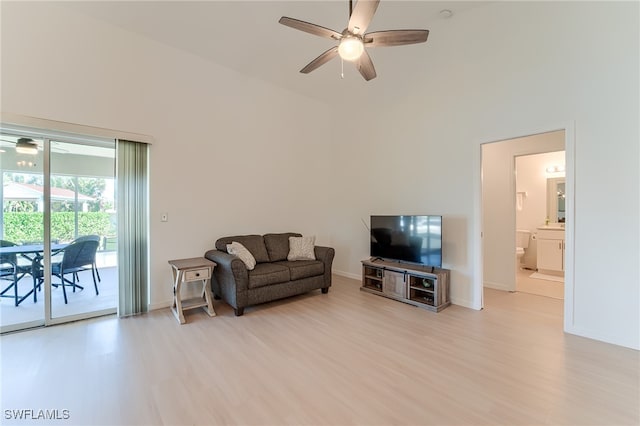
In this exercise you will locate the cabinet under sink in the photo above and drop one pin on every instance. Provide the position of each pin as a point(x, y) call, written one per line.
point(551, 248)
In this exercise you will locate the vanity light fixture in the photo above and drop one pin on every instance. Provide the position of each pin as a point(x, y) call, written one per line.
point(26, 146)
point(555, 169)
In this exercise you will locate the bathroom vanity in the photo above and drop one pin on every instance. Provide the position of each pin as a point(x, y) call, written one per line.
point(551, 249)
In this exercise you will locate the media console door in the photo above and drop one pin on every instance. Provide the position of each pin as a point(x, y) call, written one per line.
point(394, 284)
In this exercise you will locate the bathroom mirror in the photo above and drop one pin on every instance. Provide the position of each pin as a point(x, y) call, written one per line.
point(556, 200)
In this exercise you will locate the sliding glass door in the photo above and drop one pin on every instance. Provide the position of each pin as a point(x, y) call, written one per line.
point(59, 210)
point(22, 227)
point(83, 225)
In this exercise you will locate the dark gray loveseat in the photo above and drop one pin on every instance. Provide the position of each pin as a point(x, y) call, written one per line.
point(274, 277)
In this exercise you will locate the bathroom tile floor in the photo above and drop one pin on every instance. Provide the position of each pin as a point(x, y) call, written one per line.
point(526, 284)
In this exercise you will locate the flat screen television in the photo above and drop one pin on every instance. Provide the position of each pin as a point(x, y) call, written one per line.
point(415, 239)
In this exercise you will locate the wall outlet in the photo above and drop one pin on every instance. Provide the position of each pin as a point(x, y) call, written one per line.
point(164, 217)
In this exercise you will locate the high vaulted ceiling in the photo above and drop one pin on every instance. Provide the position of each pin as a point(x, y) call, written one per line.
point(246, 37)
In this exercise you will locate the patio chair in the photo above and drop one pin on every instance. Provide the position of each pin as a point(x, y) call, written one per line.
point(12, 271)
point(76, 257)
point(94, 267)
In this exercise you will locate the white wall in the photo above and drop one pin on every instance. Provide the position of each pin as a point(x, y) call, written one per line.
point(230, 155)
point(496, 72)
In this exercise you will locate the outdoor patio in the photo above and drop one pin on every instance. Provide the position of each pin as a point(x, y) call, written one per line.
point(81, 301)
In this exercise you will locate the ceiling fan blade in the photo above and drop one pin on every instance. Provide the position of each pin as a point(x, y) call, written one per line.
point(362, 15)
point(310, 28)
point(320, 60)
point(365, 66)
point(395, 37)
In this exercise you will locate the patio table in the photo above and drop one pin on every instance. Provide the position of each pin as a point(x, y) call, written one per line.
point(35, 250)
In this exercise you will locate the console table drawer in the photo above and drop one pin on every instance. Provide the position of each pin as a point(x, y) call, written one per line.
point(197, 274)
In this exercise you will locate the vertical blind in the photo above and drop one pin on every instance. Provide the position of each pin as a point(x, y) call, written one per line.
point(132, 164)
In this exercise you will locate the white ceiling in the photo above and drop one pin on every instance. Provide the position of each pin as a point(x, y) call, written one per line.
point(246, 36)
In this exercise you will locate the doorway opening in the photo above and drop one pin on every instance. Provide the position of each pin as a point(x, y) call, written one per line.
point(503, 196)
point(540, 223)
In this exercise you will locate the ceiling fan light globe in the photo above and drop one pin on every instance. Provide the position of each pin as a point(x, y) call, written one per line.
point(350, 48)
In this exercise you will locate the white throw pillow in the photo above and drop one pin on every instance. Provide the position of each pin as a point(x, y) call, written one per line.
point(301, 248)
point(241, 251)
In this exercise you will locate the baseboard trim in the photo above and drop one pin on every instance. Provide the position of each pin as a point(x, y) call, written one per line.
point(496, 286)
point(160, 305)
point(594, 335)
point(463, 303)
point(348, 275)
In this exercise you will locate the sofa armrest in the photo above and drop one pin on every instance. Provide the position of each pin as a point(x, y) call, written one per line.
point(230, 278)
point(325, 255)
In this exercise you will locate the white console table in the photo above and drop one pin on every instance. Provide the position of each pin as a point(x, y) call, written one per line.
point(192, 270)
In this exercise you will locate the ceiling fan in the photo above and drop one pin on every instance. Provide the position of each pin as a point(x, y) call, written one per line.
point(353, 40)
point(27, 146)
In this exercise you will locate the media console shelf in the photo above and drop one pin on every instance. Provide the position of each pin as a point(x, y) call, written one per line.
point(413, 284)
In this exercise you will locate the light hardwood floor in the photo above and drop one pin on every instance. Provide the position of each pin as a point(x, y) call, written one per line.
point(347, 357)
point(526, 284)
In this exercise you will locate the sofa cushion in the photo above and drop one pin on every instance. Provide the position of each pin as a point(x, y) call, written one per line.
point(237, 249)
point(303, 268)
point(301, 248)
point(278, 245)
point(267, 274)
point(253, 243)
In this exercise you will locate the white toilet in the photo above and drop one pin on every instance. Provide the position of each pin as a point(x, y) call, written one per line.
point(522, 242)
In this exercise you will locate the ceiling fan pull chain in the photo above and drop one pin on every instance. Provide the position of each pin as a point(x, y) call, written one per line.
point(342, 70)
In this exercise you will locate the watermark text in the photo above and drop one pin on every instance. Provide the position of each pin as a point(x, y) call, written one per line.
point(31, 414)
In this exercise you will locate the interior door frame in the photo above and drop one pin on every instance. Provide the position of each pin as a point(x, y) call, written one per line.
point(477, 240)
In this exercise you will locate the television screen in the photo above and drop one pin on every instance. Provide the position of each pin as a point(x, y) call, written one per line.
point(416, 239)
